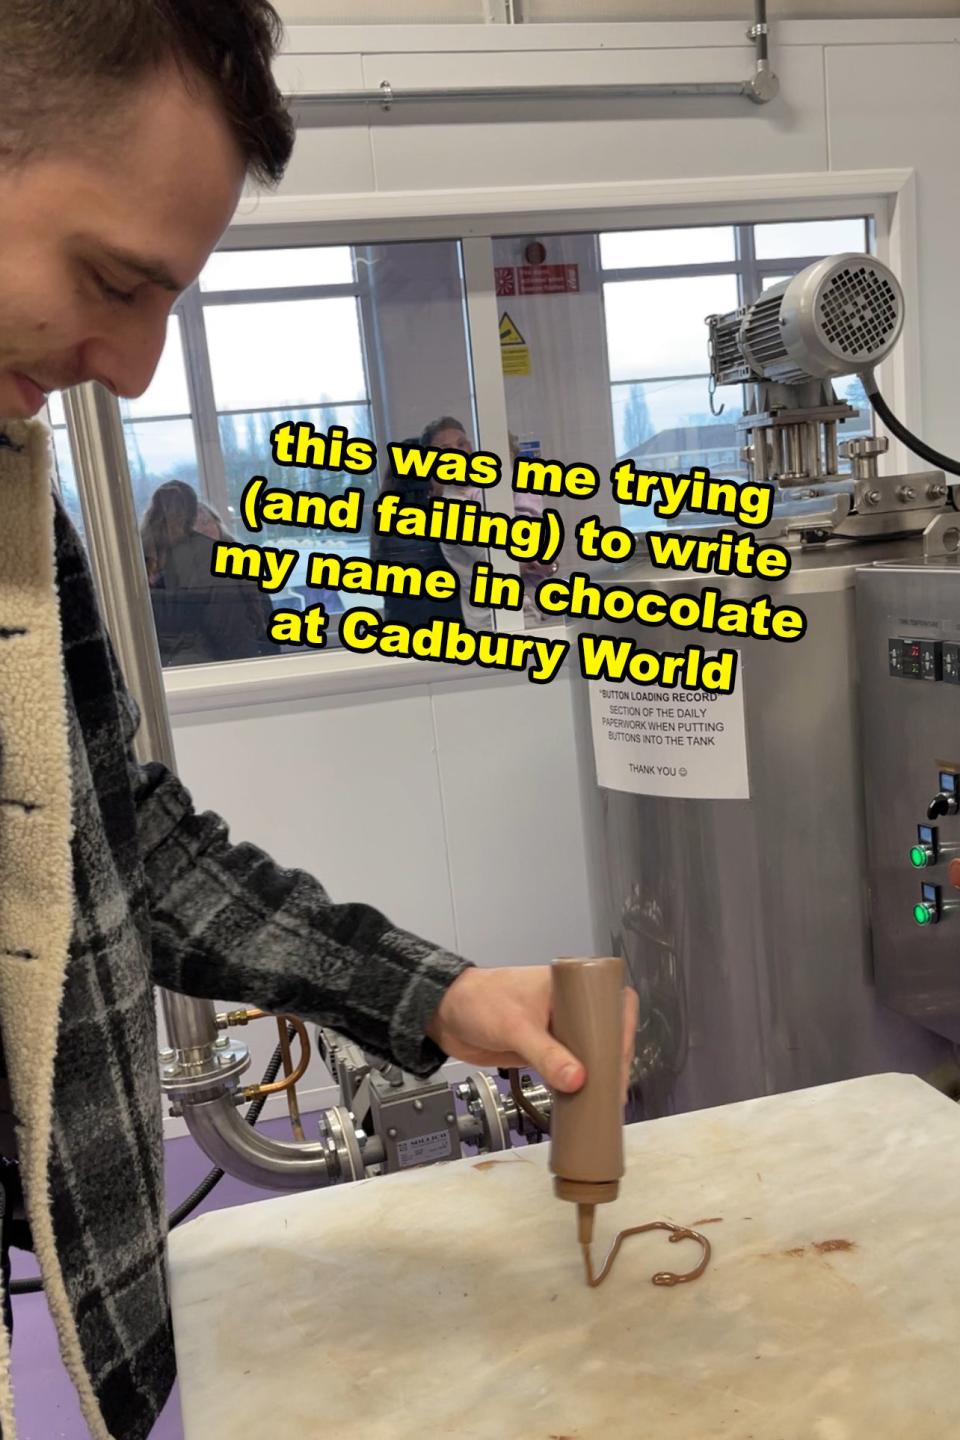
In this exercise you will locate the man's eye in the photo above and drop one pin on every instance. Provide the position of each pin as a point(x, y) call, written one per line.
point(120, 297)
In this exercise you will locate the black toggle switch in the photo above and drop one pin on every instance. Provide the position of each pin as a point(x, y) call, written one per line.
point(947, 802)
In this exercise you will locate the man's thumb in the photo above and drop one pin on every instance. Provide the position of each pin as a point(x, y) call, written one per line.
point(560, 1070)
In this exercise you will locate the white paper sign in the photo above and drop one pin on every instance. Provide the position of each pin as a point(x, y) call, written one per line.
point(686, 743)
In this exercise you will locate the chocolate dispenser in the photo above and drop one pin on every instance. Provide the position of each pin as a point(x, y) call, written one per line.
point(586, 1129)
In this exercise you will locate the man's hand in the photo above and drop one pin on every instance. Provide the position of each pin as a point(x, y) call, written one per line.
point(500, 1018)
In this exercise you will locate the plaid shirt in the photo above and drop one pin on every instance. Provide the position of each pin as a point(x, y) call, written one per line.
point(162, 897)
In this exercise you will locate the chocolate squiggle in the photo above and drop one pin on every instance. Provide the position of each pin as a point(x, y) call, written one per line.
point(662, 1277)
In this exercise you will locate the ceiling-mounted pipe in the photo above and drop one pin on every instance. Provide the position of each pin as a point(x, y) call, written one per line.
point(761, 87)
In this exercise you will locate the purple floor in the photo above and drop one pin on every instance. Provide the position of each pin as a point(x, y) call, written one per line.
point(47, 1407)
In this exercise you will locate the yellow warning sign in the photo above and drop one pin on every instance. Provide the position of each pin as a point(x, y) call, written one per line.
point(509, 334)
point(514, 350)
point(515, 359)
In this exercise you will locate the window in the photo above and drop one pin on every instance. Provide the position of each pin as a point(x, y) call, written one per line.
point(657, 346)
point(607, 357)
point(370, 338)
point(658, 288)
point(610, 348)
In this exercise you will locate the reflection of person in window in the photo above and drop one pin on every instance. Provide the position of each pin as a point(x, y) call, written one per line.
point(200, 618)
point(409, 550)
point(448, 433)
point(209, 523)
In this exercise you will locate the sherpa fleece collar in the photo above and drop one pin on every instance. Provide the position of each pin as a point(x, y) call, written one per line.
point(36, 890)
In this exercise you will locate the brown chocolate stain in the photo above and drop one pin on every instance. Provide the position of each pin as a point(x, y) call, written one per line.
point(492, 1164)
point(822, 1247)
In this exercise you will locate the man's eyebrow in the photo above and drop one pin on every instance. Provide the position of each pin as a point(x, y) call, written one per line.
point(153, 270)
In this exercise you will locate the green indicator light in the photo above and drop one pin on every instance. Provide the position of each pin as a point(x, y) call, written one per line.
point(918, 856)
point(921, 914)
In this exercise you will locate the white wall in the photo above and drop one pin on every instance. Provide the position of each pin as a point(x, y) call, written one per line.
point(452, 807)
point(456, 805)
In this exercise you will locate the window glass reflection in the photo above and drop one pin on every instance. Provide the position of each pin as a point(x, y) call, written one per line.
point(612, 363)
point(698, 244)
point(382, 361)
point(199, 619)
point(668, 425)
point(159, 450)
point(656, 327)
point(809, 238)
point(285, 352)
point(273, 269)
point(618, 361)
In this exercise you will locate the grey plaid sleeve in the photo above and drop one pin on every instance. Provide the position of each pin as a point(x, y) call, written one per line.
point(226, 921)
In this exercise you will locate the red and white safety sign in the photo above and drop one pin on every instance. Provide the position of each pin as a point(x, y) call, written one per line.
point(548, 279)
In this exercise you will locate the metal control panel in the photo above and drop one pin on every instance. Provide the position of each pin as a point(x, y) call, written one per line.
point(908, 632)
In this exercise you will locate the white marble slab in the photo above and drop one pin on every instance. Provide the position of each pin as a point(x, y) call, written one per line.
point(450, 1301)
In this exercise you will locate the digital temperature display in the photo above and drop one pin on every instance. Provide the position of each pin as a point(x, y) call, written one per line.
point(915, 659)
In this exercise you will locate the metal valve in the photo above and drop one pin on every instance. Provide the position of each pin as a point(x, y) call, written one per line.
point(863, 451)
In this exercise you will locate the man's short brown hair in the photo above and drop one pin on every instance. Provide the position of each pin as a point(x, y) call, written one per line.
point(64, 63)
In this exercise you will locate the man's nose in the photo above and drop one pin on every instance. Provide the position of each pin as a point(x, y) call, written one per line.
point(126, 363)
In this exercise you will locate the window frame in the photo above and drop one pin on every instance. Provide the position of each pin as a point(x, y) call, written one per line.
point(190, 308)
point(475, 219)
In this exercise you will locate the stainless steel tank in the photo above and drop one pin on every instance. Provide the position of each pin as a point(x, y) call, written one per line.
point(744, 923)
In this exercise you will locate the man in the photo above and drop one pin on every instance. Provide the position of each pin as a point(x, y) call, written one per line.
point(448, 433)
point(127, 128)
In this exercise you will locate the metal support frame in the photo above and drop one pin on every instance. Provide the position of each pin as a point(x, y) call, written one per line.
point(760, 88)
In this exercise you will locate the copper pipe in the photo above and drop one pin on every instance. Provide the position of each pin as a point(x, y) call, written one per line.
point(240, 1017)
point(292, 1104)
point(289, 1083)
point(251, 1091)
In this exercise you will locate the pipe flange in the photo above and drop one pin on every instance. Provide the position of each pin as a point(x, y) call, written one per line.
point(220, 1071)
point(494, 1120)
point(342, 1136)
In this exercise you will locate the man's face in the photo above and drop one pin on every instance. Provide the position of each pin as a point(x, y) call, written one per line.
point(96, 243)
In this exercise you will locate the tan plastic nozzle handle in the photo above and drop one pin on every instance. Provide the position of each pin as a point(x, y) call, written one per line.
point(586, 1129)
